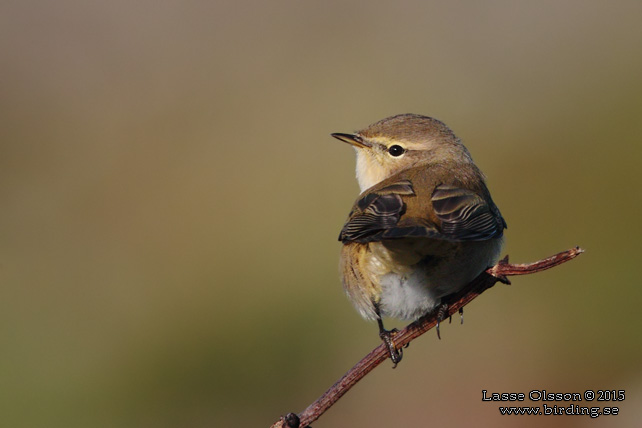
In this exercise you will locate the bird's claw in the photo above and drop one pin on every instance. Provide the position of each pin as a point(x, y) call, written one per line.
point(442, 310)
point(396, 354)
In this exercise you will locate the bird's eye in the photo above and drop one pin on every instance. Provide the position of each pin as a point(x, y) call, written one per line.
point(396, 150)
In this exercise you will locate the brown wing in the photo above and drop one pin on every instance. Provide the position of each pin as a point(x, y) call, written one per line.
point(376, 216)
point(464, 216)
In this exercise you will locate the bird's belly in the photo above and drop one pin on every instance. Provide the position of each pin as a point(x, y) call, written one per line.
point(408, 292)
point(407, 296)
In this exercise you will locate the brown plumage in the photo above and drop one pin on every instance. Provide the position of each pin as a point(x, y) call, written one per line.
point(424, 225)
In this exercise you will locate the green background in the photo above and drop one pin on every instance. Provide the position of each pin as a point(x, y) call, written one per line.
point(171, 200)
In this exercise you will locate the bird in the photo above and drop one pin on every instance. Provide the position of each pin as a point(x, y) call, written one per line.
point(424, 225)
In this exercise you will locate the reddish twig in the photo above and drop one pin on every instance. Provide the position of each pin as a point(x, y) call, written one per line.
point(452, 304)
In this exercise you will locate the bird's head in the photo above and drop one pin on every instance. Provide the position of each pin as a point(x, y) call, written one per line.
point(401, 142)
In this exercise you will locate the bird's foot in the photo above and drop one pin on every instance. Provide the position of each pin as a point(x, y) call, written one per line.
point(396, 354)
point(442, 310)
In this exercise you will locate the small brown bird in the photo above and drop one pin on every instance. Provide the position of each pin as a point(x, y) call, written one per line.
point(424, 225)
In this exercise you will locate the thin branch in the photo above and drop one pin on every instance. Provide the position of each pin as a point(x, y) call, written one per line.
point(453, 304)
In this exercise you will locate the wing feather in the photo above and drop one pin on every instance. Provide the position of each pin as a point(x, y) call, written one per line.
point(463, 215)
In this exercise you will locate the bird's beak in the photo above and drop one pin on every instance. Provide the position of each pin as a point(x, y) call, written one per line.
point(352, 139)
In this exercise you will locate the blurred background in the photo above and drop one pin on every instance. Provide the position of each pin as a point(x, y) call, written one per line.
point(171, 200)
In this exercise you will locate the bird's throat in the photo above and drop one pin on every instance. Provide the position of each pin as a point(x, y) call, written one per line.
point(370, 170)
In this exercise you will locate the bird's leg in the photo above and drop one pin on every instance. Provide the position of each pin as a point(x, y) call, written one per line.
point(387, 337)
point(442, 310)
